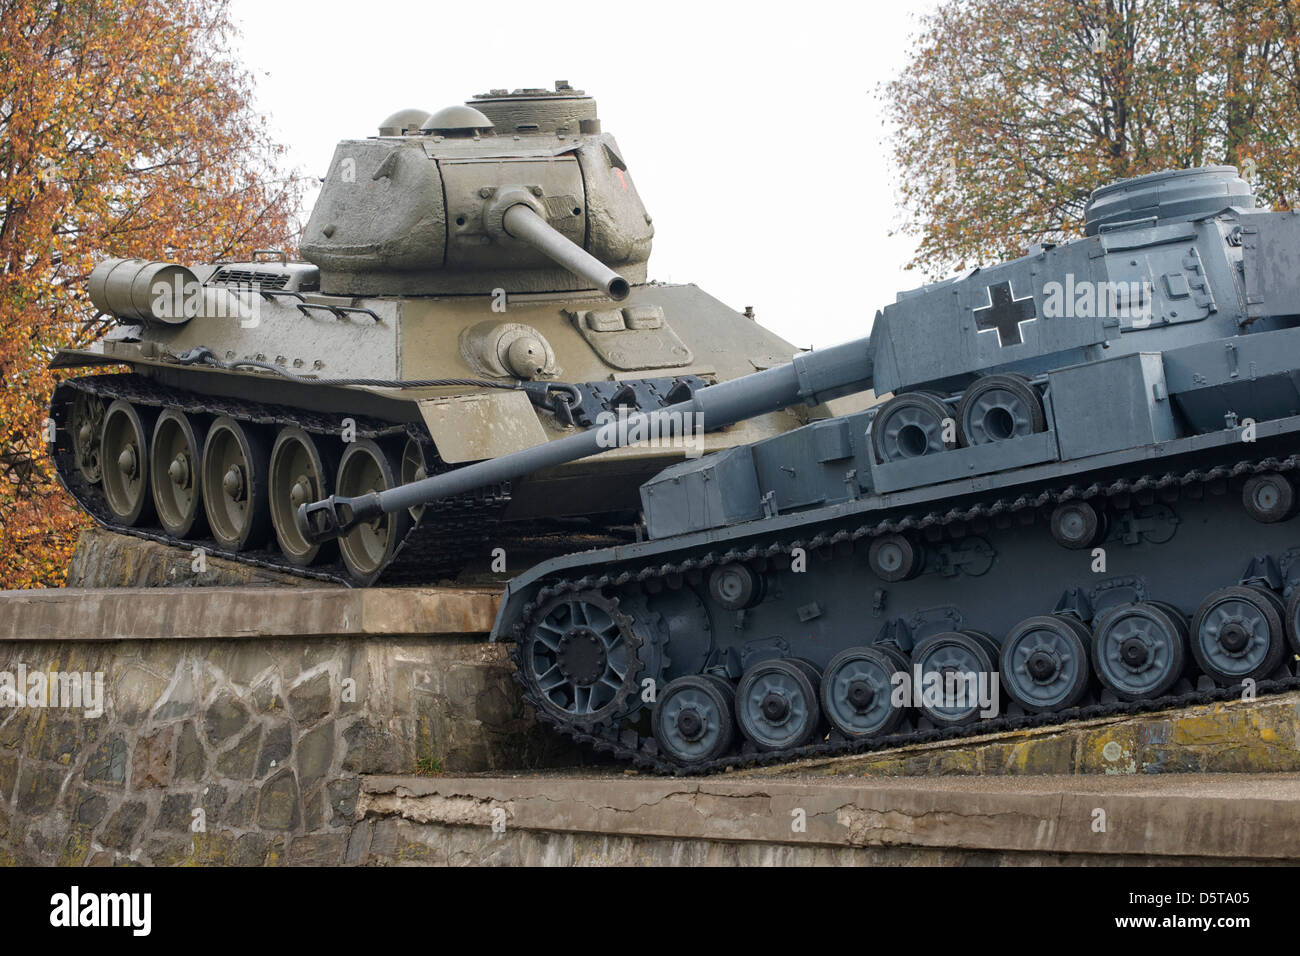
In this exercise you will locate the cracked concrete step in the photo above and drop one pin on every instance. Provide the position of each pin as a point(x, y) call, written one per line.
point(111, 614)
point(565, 820)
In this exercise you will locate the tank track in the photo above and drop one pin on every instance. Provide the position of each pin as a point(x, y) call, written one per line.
point(431, 548)
point(642, 750)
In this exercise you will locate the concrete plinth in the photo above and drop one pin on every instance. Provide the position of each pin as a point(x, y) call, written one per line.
point(1042, 820)
point(117, 614)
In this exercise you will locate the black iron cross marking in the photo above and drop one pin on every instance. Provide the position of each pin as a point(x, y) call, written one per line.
point(1005, 313)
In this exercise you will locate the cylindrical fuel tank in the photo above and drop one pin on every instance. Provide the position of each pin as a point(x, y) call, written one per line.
point(142, 291)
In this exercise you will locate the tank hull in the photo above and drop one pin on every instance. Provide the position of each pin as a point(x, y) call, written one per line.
point(421, 340)
point(1178, 533)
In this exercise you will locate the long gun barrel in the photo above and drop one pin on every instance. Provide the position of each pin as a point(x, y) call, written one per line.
point(811, 378)
point(524, 224)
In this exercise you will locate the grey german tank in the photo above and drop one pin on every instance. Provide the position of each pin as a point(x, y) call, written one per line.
point(1078, 501)
point(474, 284)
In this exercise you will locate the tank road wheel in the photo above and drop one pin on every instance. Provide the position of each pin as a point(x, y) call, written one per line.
point(998, 407)
point(1077, 525)
point(414, 468)
point(1269, 497)
point(692, 720)
point(301, 471)
point(367, 467)
point(910, 425)
point(1139, 650)
point(857, 690)
point(776, 704)
point(1044, 663)
point(953, 666)
point(86, 425)
point(580, 659)
point(175, 457)
point(235, 469)
point(1292, 620)
point(124, 459)
point(1238, 634)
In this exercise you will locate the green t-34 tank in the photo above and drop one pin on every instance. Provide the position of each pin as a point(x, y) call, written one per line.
point(474, 285)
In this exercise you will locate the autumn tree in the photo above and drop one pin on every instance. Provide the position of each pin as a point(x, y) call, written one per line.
point(1012, 111)
point(126, 129)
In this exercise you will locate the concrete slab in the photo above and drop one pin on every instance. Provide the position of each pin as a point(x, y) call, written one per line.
point(1221, 818)
point(113, 614)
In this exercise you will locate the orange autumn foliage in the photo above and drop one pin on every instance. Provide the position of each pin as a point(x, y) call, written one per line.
point(126, 129)
point(1012, 111)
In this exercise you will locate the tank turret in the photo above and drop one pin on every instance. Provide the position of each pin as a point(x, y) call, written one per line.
point(516, 191)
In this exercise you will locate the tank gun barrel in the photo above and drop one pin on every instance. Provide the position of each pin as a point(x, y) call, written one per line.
point(522, 223)
point(810, 378)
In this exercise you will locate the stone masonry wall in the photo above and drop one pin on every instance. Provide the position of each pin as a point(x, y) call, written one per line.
point(267, 738)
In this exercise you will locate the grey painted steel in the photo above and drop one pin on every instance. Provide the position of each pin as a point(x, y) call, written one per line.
point(1133, 468)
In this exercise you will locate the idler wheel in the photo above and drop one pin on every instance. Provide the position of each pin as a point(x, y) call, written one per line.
point(124, 450)
point(692, 719)
point(1044, 663)
point(1238, 634)
point(235, 477)
point(175, 458)
point(857, 691)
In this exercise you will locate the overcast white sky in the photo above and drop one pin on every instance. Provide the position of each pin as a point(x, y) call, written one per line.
point(753, 130)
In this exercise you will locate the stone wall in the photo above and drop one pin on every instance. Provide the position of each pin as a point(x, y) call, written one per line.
point(269, 738)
